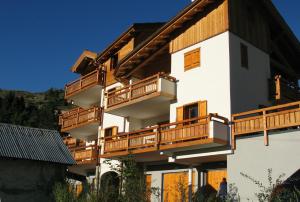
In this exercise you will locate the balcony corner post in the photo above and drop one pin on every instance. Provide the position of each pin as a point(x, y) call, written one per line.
point(266, 137)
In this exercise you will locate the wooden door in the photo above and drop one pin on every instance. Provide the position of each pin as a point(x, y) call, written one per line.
point(175, 186)
point(214, 178)
point(148, 187)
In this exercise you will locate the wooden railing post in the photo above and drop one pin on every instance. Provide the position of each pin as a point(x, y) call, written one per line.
point(266, 137)
point(233, 140)
point(158, 137)
point(128, 143)
point(277, 87)
point(77, 118)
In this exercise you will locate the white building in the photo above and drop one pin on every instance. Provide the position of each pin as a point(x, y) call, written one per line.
point(172, 92)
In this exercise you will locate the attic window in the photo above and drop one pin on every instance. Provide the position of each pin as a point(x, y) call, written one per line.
point(244, 56)
point(114, 62)
point(192, 59)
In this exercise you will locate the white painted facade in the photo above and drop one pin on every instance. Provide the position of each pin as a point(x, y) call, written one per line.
point(249, 88)
point(210, 81)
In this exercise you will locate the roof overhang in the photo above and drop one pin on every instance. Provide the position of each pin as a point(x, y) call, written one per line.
point(159, 39)
point(84, 59)
point(125, 38)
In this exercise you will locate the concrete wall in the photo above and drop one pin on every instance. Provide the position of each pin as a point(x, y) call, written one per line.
point(210, 81)
point(248, 87)
point(253, 158)
point(24, 180)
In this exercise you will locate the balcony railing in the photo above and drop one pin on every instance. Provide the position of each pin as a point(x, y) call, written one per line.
point(79, 117)
point(267, 119)
point(136, 90)
point(167, 136)
point(96, 77)
point(85, 154)
point(284, 90)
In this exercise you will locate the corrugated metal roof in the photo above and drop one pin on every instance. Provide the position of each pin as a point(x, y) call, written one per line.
point(33, 144)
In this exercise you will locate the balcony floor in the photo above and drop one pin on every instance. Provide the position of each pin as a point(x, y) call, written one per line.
point(143, 108)
point(87, 97)
point(86, 132)
point(83, 169)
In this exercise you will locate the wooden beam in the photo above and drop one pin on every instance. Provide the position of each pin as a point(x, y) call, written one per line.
point(282, 68)
point(278, 52)
point(149, 59)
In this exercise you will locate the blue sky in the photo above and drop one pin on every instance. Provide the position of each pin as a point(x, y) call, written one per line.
point(41, 39)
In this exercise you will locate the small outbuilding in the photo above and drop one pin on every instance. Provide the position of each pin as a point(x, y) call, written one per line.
point(31, 161)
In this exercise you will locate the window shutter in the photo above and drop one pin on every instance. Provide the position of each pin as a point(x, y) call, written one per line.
point(179, 114)
point(115, 131)
point(202, 108)
point(196, 58)
point(192, 59)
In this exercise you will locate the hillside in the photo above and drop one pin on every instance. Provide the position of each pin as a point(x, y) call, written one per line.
point(31, 109)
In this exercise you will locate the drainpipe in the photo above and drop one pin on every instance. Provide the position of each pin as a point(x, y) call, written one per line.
point(99, 149)
point(190, 184)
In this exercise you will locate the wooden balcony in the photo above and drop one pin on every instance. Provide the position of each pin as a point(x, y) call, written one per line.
point(202, 132)
point(86, 91)
point(81, 123)
point(284, 91)
point(81, 152)
point(85, 154)
point(157, 90)
point(264, 120)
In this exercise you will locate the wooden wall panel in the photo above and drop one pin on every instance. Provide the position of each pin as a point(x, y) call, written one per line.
point(247, 20)
point(175, 186)
point(110, 79)
point(214, 23)
point(214, 178)
point(126, 49)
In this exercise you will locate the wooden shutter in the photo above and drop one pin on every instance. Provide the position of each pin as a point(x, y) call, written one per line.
point(114, 131)
point(192, 59)
point(202, 108)
point(179, 114)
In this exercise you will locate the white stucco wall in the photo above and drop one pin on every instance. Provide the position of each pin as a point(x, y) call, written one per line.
point(210, 81)
point(253, 158)
point(110, 120)
point(249, 87)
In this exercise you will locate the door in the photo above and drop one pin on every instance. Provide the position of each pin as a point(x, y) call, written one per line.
point(175, 186)
point(215, 177)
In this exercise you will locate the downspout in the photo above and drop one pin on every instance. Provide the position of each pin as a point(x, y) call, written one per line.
point(99, 149)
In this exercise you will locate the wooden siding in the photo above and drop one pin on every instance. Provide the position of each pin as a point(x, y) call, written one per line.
point(248, 21)
point(110, 79)
point(126, 49)
point(123, 52)
point(209, 25)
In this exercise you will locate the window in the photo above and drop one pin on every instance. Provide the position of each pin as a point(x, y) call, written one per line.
point(114, 62)
point(110, 132)
point(190, 111)
point(192, 59)
point(244, 56)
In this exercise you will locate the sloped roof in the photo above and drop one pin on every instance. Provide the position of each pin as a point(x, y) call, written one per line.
point(126, 36)
point(163, 35)
point(33, 144)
